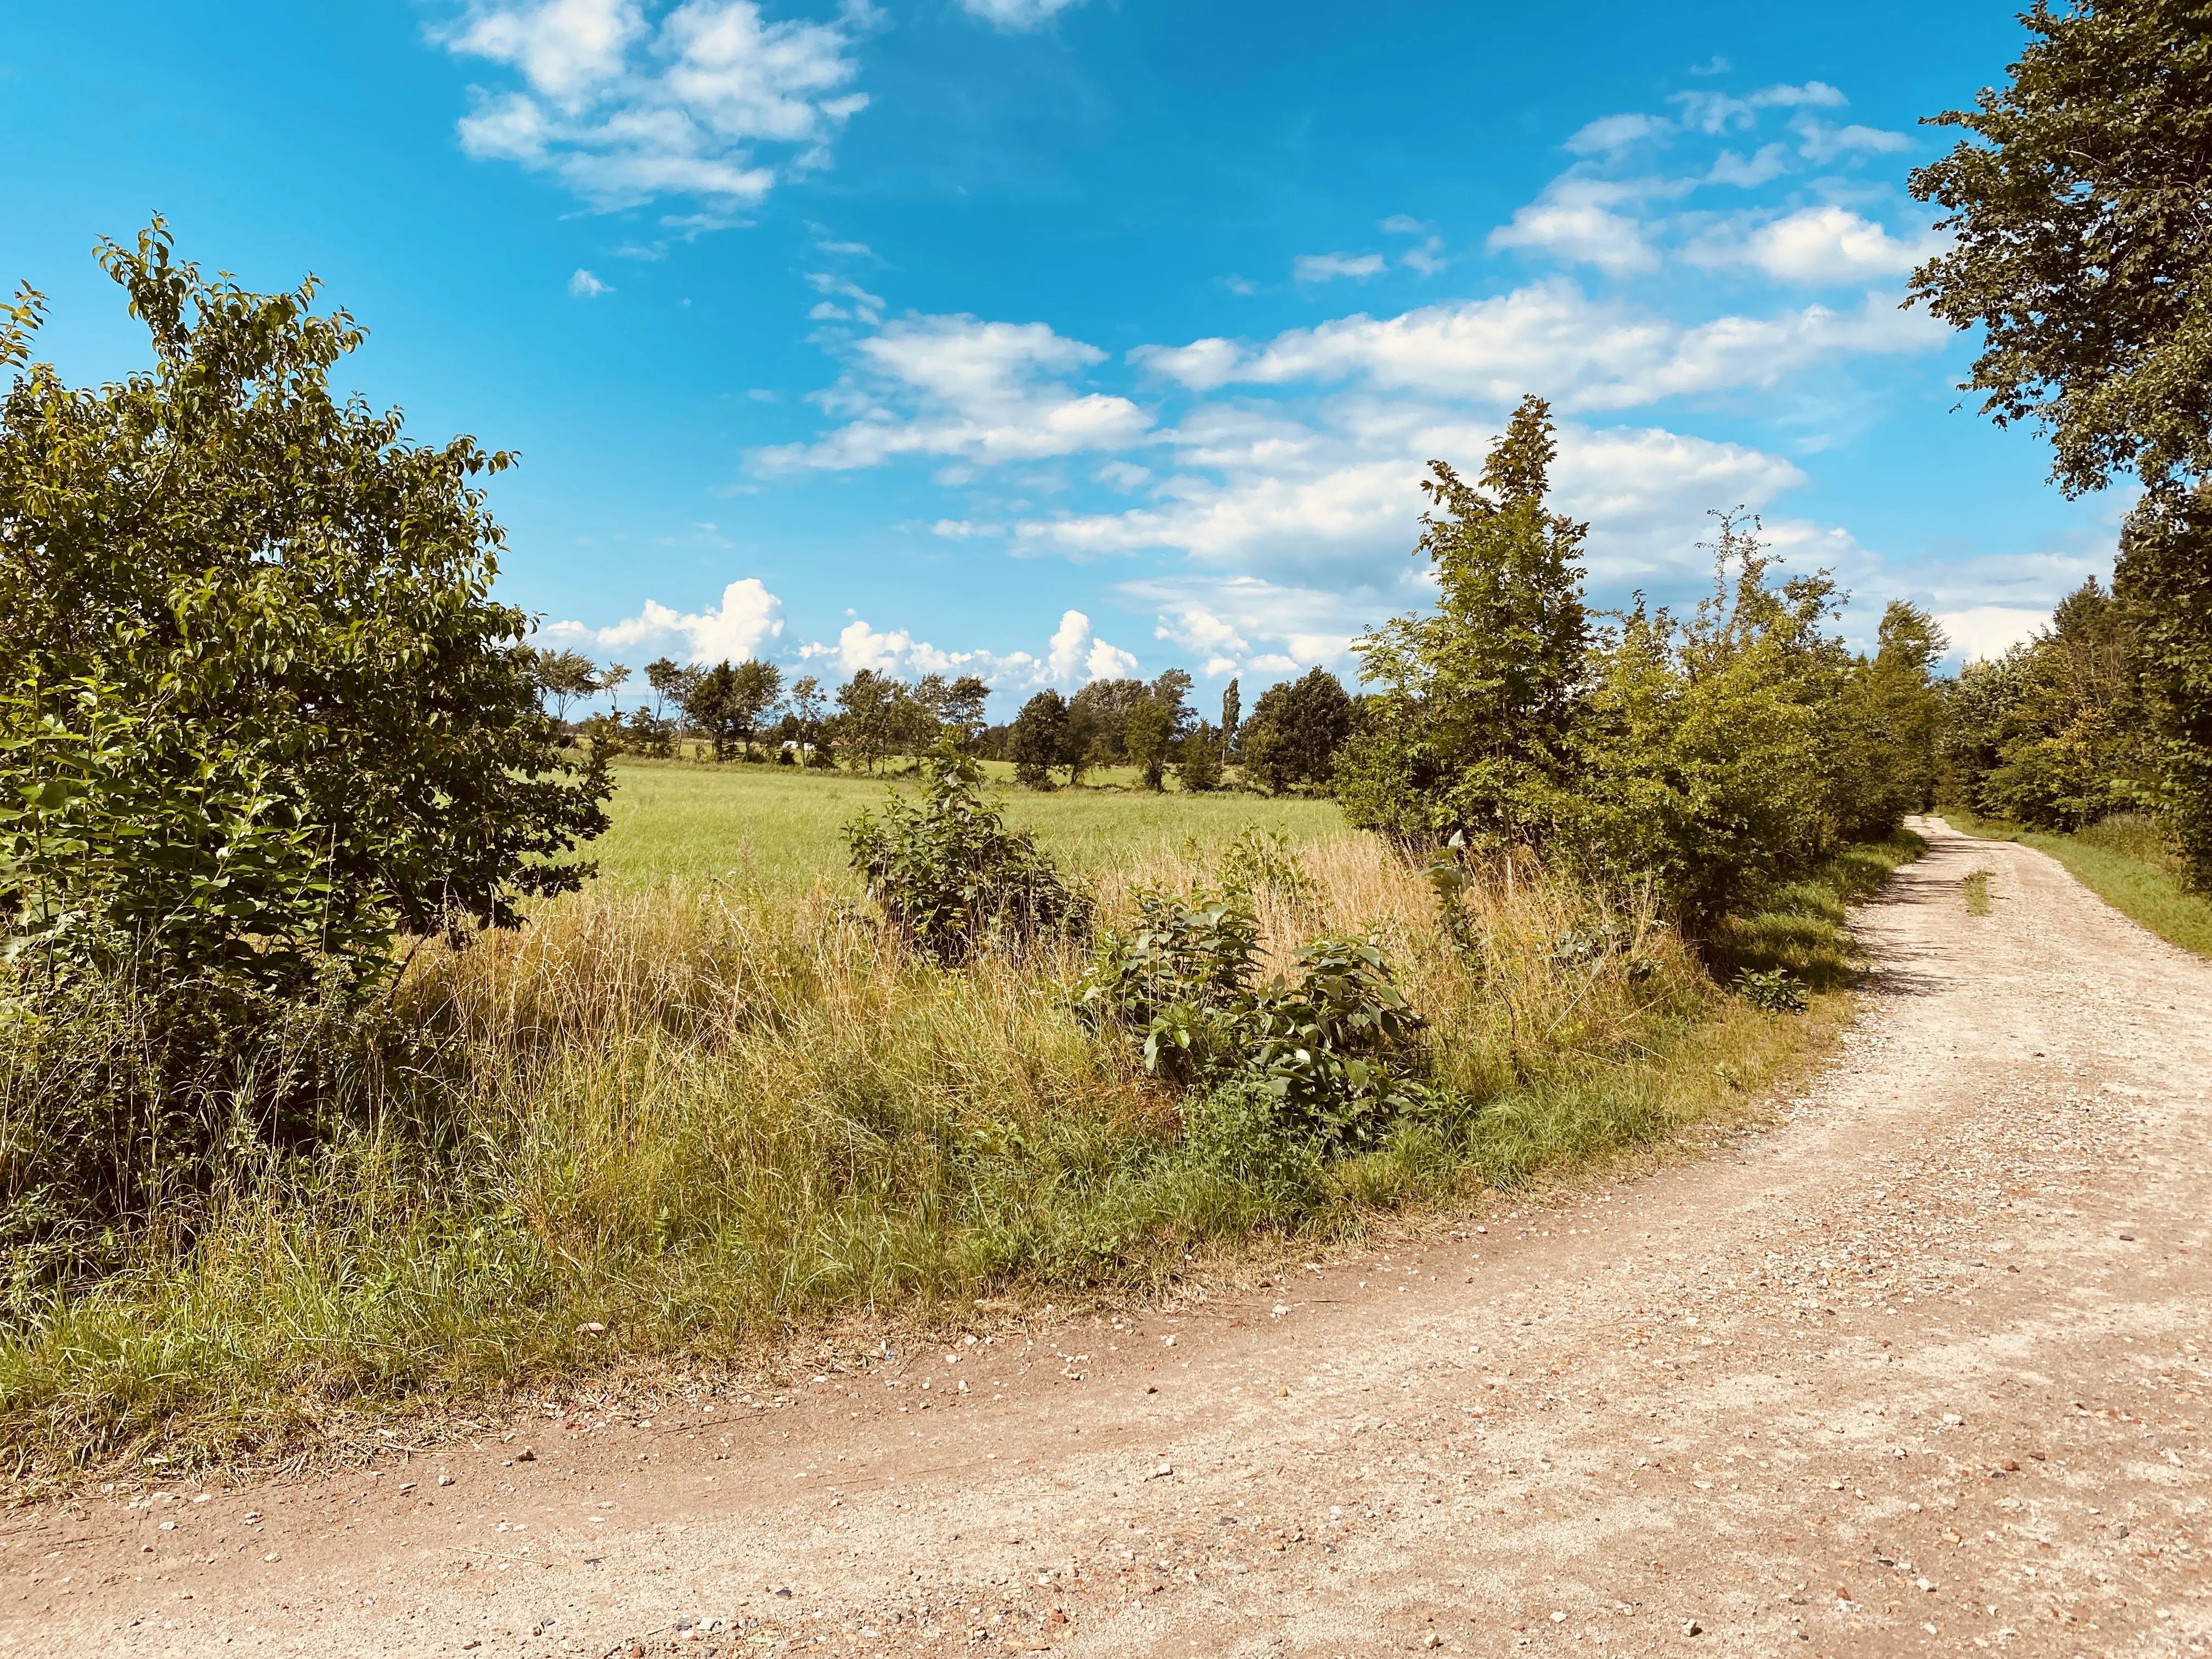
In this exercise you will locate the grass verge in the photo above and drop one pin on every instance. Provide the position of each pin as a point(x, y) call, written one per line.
point(685, 1124)
point(2124, 861)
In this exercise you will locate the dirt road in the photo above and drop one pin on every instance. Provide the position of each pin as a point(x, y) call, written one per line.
point(1920, 1369)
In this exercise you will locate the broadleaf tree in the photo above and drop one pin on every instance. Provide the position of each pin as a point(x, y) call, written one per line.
point(2082, 248)
point(245, 618)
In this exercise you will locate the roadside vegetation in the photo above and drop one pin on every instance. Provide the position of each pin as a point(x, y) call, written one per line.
point(338, 1083)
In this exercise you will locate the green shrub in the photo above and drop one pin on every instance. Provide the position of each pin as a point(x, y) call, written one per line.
point(1335, 1048)
point(1774, 989)
point(950, 876)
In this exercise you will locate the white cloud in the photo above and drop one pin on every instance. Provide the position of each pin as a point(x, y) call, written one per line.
point(1078, 656)
point(1326, 267)
point(1074, 657)
point(1819, 142)
point(622, 110)
point(1577, 219)
point(961, 387)
point(1017, 15)
point(585, 286)
point(1816, 244)
point(1609, 133)
point(1990, 630)
point(748, 616)
point(1330, 509)
point(1583, 353)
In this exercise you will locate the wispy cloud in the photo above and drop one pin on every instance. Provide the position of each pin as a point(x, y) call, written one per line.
point(1017, 16)
point(585, 286)
point(1327, 267)
point(624, 109)
point(962, 388)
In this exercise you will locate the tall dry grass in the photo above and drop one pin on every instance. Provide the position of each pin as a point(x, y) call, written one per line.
point(700, 1117)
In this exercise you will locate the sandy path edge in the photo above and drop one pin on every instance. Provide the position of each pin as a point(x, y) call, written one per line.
point(1920, 1368)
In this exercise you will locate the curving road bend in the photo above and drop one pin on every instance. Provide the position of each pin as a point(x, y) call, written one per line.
point(1920, 1367)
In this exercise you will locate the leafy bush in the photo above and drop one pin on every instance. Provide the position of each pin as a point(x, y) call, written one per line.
point(950, 876)
point(214, 563)
point(1775, 989)
point(1333, 1050)
point(1199, 766)
point(1697, 757)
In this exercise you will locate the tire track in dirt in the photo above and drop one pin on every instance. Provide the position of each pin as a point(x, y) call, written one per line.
point(1918, 1369)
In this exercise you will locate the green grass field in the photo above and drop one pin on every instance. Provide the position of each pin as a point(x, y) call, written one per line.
point(764, 828)
point(2125, 862)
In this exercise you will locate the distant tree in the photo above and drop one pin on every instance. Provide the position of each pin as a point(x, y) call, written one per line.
point(1199, 769)
point(711, 708)
point(673, 684)
point(757, 691)
point(1172, 691)
point(2079, 248)
point(612, 678)
point(961, 707)
point(866, 726)
point(808, 708)
point(1232, 720)
point(1145, 734)
point(1100, 713)
point(1038, 739)
point(1295, 731)
point(563, 676)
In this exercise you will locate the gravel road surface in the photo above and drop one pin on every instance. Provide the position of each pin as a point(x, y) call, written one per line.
point(1919, 1367)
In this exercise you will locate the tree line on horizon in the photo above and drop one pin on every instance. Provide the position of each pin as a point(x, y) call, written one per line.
point(748, 711)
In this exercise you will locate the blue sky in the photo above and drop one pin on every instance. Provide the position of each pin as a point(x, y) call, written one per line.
point(1055, 337)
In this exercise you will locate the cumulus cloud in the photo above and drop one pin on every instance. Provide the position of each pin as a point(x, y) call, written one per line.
point(1078, 656)
point(1578, 219)
point(585, 286)
point(1588, 354)
point(1327, 267)
point(961, 387)
point(747, 618)
point(1815, 246)
point(1073, 657)
point(623, 110)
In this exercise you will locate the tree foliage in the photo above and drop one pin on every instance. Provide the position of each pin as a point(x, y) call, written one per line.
point(2082, 248)
point(1295, 731)
point(255, 701)
point(1474, 723)
point(2081, 238)
point(2051, 732)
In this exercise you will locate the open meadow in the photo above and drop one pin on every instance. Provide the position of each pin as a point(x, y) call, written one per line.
point(763, 827)
point(708, 1103)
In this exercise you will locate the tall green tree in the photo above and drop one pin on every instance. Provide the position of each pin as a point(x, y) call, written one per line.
point(563, 676)
point(1296, 730)
point(1038, 740)
point(1145, 735)
point(1475, 719)
point(866, 728)
point(730, 701)
point(245, 624)
point(2081, 247)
